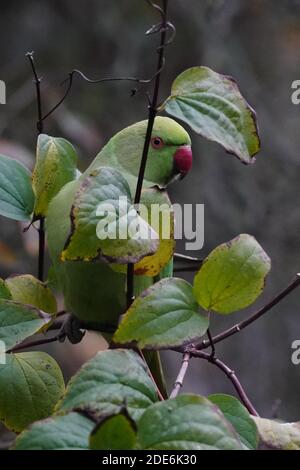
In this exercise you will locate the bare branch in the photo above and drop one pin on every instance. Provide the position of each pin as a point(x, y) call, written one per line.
point(40, 129)
point(255, 316)
point(70, 79)
point(180, 256)
point(211, 343)
point(38, 342)
point(194, 263)
point(181, 375)
point(151, 119)
point(231, 376)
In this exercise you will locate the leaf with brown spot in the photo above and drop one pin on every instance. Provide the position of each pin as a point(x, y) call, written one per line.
point(55, 166)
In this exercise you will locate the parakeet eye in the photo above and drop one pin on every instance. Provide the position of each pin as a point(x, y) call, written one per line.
point(157, 142)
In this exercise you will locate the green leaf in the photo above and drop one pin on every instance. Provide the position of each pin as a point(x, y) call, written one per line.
point(165, 315)
point(55, 166)
point(160, 215)
point(212, 105)
point(4, 291)
point(277, 435)
point(239, 417)
point(188, 422)
point(68, 432)
point(108, 381)
point(232, 276)
point(29, 290)
point(114, 432)
point(18, 322)
point(16, 194)
point(101, 226)
point(31, 383)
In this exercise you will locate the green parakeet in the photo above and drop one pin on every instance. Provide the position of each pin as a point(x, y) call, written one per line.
point(94, 289)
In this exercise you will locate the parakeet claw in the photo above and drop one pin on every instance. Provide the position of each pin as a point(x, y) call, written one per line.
point(72, 329)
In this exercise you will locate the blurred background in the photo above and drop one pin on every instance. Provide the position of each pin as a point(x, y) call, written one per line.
point(257, 43)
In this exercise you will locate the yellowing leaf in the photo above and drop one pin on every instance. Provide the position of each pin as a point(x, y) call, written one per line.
point(55, 166)
point(18, 322)
point(31, 383)
point(26, 289)
point(232, 276)
point(277, 435)
point(156, 210)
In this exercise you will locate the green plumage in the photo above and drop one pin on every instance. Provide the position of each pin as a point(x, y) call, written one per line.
point(93, 291)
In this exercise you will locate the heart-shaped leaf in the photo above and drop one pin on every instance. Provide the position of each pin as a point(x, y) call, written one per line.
point(239, 417)
point(26, 289)
point(108, 381)
point(105, 223)
point(18, 322)
point(163, 316)
point(55, 166)
point(114, 432)
point(188, 422)
point(232, 276)
point(212, 105)
point(16, 194)
point(68, 432)
point(31, 383)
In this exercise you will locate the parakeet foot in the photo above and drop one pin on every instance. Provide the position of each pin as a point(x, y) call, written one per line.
point(72, 329)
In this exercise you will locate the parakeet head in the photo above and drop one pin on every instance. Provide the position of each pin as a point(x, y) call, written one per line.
point(170, 153)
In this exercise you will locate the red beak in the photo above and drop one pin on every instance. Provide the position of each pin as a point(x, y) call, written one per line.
point(183, 159)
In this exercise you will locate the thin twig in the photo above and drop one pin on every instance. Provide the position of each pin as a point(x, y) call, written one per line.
point(186, 269)
point(117, 79)
point(151, 118)
point(181, 375)
point(38, 342)
point(60, 313)
point(40, 129)
point(194, 263)
point(163, 27)
point(211, 343)
point(70, 80)
point(231, 376)
point(255, 316)
point(157, 7)
point(58, 325)
point(182, 257)
point(152, 107)
point(41, 256)
point(37, 82)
